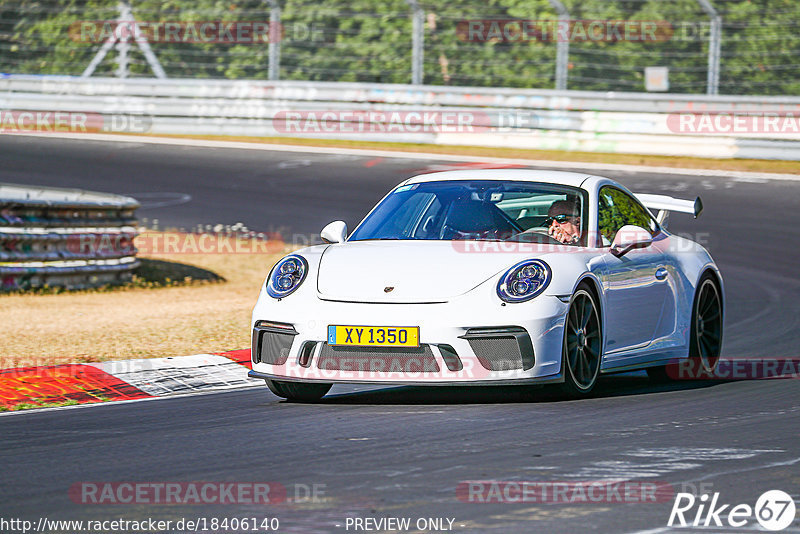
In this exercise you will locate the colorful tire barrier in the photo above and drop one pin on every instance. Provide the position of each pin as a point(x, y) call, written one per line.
point(65, 237)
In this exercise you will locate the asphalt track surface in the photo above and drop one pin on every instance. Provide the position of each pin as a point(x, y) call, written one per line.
point(402, 452)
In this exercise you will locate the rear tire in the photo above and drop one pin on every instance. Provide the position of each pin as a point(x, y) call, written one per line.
point(298, 391)
point(705, 342)
point(582, 348)
point(705, 339)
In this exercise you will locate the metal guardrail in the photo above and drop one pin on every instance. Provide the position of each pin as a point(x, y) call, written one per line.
point(65, 238)
point(642, 123)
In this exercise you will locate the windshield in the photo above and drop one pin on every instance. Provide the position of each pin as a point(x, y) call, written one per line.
point(479, 210)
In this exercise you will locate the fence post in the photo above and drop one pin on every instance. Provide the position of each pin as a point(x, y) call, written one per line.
point(714, 44)
point(123, 46)
point(562, 46)
point(275, 36)
point(417, 42)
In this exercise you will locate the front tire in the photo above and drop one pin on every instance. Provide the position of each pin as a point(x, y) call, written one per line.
point(582, 349)
point(297, 391)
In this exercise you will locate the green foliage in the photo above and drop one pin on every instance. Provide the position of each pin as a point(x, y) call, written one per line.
point(343, 40)
point(369, 41)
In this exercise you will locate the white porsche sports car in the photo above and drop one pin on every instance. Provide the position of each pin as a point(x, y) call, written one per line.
point(491, 277)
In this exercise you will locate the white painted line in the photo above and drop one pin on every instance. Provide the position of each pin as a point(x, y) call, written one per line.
point(744, 470)
point(742, 175)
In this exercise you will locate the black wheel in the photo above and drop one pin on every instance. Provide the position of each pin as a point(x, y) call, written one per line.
point(298, 391)
point(583, 345)
point(705, 343)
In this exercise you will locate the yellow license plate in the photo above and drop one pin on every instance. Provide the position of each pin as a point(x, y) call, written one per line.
point(374, 336)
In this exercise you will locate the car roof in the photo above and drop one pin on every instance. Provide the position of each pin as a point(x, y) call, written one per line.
point(574, 179)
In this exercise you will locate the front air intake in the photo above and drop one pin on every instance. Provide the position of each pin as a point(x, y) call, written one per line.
point(272, 342)
point(501, 349)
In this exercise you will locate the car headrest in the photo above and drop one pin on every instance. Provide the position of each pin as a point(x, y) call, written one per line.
point(470, 216)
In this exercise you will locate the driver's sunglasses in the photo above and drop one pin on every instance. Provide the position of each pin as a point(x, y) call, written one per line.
point(560, 219)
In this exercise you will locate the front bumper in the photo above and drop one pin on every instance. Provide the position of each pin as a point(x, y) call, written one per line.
point(460, 343)
point(494, 382)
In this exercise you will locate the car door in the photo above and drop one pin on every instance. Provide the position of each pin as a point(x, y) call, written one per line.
point(635, 285)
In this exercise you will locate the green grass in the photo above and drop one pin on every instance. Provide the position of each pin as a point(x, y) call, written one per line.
point(36, 404)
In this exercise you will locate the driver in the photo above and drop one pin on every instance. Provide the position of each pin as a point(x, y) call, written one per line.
point(564, 221)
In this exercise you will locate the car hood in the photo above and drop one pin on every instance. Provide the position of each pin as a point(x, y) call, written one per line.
point(417, 271)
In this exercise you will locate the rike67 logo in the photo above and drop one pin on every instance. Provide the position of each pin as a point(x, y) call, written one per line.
point(774, 510)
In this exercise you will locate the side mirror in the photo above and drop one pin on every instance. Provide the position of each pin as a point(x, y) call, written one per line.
point(335, 232)
point(628, 238)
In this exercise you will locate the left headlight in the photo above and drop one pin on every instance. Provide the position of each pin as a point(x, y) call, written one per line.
point(286, 276)
point(524, 281)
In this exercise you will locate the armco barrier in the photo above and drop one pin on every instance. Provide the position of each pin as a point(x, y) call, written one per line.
point(64, 237)
point(642, 123)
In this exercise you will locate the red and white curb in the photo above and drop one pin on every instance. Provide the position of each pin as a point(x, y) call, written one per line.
point(124, 379)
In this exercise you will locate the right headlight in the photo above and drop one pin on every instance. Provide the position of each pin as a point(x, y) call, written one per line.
point(524, 281)
point(286, 276)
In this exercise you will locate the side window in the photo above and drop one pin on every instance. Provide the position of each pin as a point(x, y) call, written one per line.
point(617, 209)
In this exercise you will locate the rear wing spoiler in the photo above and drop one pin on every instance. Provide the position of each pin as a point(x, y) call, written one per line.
point(665, 204)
